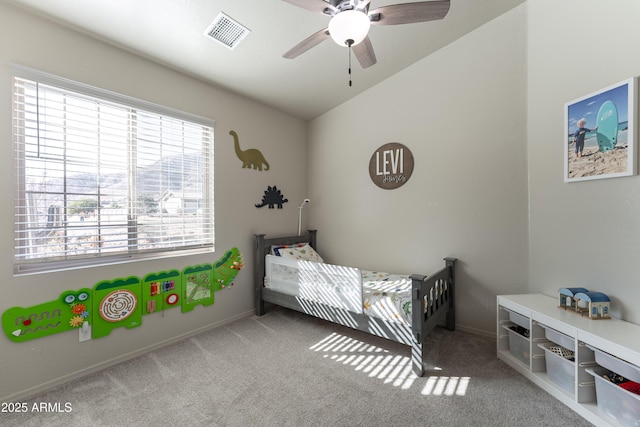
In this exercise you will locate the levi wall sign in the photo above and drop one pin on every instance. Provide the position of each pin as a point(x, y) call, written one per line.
point(391, 166)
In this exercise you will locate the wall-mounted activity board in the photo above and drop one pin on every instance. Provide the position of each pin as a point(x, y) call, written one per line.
point(197, 286)
point(122, 302)
point(161, 291)
point(117, 304)
point(72, 310)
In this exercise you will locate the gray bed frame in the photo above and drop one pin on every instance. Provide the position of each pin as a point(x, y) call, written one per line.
point(437, 291)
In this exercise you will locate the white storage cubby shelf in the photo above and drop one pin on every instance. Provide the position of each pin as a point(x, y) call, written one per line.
point(571, 382)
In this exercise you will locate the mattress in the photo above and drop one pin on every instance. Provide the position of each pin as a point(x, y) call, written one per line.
point(387, 296)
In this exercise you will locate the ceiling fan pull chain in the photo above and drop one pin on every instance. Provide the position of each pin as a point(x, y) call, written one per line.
point(349, 44)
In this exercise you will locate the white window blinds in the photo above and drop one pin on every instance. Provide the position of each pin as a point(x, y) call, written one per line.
point(102, 179)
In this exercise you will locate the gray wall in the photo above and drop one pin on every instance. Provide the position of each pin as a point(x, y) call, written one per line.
point(582, 233)
point(462, 113)
point(27, 40)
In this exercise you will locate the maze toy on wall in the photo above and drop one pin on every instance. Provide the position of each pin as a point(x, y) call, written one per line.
point(115, 305)
point(119, 303)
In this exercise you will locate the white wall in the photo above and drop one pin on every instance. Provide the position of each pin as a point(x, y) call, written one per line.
point(462, 113)
point(583, 233)
point(28, 367)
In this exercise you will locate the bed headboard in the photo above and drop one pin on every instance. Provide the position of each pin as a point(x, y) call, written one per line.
point(262, 248)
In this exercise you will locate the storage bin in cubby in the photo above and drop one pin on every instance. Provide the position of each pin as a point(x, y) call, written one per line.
point(618, 403)
point(518, 345)
point(619, 366)
point(519, 319)
point(560, 370)
point(559, 338)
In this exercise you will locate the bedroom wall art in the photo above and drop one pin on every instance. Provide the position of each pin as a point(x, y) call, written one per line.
point(391, 166)
point(599, 134)
point(272, 198)
point(251, 158)
point(122, 302)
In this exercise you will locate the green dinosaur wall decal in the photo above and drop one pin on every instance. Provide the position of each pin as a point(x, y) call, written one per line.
point(251, 158)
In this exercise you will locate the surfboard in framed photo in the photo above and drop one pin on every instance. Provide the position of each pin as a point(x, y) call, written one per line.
point(600, 134)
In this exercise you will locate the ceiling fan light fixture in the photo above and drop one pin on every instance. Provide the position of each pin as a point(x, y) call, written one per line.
point(349, 25)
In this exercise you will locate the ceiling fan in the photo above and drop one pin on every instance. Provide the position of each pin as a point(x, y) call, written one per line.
point(351, 20)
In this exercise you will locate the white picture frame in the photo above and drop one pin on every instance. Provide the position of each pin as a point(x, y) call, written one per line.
point(591, 151)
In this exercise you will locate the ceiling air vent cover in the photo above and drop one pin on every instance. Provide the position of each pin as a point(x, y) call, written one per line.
point(227, 31)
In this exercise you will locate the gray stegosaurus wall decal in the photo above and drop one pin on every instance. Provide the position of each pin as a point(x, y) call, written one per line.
point(272, 197)
point(251, 158)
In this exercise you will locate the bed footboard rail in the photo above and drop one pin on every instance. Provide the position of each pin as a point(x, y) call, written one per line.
point(432, 301)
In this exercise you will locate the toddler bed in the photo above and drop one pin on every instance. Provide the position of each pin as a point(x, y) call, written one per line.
point(290, 273)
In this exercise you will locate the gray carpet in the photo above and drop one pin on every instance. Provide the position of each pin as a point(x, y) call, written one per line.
point(288, 369)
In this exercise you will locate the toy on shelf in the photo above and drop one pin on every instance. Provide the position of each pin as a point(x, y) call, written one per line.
point(594, 305)
point(567, 298)
point(598, 304)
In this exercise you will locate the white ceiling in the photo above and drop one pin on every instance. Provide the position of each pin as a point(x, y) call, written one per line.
point(171, 32)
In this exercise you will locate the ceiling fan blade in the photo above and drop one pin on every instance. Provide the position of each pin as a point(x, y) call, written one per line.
point(363, 4)
point(364, 53)
point(409, 13)
point(318, 6)
point(306, 44)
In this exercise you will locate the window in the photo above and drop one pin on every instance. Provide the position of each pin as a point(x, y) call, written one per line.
point(104, 178)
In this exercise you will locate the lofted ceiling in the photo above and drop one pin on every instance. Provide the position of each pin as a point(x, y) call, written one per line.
point(172, 33)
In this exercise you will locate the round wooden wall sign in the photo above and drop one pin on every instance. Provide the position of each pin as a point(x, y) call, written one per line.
point(391, 166)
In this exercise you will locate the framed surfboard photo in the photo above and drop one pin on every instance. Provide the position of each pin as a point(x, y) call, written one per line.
point(600, 134)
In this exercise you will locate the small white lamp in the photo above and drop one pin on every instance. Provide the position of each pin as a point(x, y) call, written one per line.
point(304, 202)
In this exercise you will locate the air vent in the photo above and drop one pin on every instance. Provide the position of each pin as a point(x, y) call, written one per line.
point(227, 31)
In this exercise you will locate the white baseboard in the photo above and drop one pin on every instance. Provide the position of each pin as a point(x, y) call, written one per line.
point(475, 331)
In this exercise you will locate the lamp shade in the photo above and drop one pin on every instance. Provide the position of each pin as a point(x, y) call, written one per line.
point(349, 25)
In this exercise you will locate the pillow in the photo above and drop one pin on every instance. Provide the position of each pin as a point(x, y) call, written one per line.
point(300, 251)
point(275, 249)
